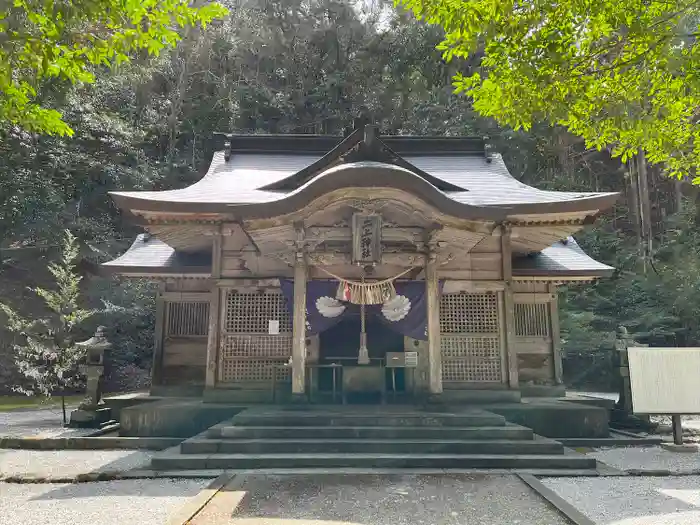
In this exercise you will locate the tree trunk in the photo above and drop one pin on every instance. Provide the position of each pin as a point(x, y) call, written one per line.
point(678, 195)
point(634, 205)
point(63, 408)
point(645, 206)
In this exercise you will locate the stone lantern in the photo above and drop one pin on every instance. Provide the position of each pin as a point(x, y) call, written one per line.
point(622, 414)
point(91, 412)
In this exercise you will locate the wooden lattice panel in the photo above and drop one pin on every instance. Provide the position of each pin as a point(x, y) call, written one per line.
point(469, 313)
point(471, 359)
point(467, 347)
point(532, 319)
point(250, 313)
point(237, 370)
point(470, 343)
point(470, 371)
point(256, 346)
point(187, 319)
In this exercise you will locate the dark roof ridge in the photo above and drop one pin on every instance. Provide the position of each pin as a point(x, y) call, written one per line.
point(365, 144)
point(301, 144)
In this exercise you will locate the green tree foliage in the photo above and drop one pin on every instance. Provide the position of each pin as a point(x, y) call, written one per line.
point(61, 40)
point(619, 73)
point(307, 67)
point(46, 354)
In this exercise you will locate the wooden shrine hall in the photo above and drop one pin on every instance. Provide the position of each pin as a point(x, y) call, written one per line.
point(363, 268)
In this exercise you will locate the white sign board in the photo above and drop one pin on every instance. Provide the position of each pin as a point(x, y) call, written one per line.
point(665, 380)
point(273, 327)
point(411, 359)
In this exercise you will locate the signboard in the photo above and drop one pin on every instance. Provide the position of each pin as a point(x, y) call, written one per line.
point(664, 380)
point(411, 359)
point(273, 327)
point(366, 239)
point(401, 359)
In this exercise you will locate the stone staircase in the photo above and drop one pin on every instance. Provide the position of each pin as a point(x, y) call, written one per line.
point(368, 437)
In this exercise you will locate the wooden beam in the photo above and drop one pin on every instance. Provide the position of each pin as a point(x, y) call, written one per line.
point(159, 332)
point(214, 314)
point(344, 233)
point(456, 286)
point(186, 297)
point(250, 284)
point(556, 335)
point(532, 297)
point(508, 307)
point(299, 327)
point(432, 291)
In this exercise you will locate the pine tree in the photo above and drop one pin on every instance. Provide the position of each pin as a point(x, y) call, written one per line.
point(46, 354)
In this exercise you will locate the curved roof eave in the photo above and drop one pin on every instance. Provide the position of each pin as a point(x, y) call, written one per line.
point(358, 175)
point(363, 175)
point(590, 203)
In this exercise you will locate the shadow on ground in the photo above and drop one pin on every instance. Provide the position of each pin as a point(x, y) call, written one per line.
point(396, 499)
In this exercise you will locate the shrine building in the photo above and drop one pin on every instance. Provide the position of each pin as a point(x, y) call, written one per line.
point(363, 268)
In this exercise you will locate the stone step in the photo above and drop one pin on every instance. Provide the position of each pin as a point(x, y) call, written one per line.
point(168, 461)
point(349, 419)
point(508, 431)
point(369, 446)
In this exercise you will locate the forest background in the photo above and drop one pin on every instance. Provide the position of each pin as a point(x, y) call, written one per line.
point(312, 67)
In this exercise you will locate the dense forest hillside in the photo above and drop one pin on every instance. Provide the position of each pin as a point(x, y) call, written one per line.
point(311, 67)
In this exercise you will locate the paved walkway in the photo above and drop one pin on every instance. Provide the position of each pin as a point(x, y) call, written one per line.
point(377, 500)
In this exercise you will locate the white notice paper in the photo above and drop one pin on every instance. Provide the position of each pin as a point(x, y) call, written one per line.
point(273, 327)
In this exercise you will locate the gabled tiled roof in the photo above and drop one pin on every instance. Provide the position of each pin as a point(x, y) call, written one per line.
point(262, 173)
point(148, 255)
point(565, 258)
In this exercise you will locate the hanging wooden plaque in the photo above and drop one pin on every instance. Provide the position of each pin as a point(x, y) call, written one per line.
point(366, 238)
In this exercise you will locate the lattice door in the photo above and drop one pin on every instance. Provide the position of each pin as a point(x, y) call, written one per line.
point(532, 319)
point(248, 352)
point(470, 338)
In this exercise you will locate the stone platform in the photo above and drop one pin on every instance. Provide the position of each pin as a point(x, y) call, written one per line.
point(173, 417)
point(185, 417)
point(337, 437)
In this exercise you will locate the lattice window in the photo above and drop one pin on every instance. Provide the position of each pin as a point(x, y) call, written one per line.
point(256, 346)
point(465, 371)
point(248, 353)
point(532, 319)
point(250, 313)
point(234, 370)
point(187, 319)
point(469, 313)
point(458, 346)
point(470, 343)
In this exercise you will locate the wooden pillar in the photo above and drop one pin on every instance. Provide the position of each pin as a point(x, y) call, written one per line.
point(214, 333)
point(509, 307)
point(299, 327)
point(555, 335)
point(432, 292)
point(158, 335)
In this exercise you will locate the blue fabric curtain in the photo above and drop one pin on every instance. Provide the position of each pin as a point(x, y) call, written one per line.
point(323, 310)
point(406, 313)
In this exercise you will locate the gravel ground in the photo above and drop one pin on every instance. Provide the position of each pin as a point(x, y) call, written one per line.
point(43, 422)
point(633, 501)
point(69, 463)
point(395, 500)
point(125, 502)
point(647, 458)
